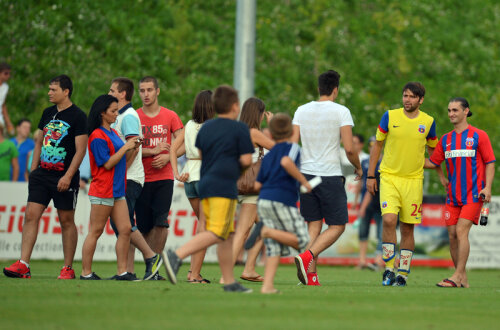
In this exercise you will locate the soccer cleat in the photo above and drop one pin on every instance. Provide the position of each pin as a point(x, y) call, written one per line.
point(172, 264)
point(152, 266)
point(236, 287)
point(67, 273)
point(388, 278)
point(312, 279)
point(400, 281)
point(92, 277)
point(303, 261)
point(17, 270)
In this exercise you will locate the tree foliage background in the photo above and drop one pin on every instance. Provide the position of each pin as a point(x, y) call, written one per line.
point(452, 47)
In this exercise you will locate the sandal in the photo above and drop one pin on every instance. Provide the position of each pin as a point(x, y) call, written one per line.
point(451, 283)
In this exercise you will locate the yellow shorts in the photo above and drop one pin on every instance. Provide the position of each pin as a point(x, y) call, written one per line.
point(219, 212)
point(401, 196)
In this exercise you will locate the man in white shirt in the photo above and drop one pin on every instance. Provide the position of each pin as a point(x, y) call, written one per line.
point(321, 126)
point(4, 89)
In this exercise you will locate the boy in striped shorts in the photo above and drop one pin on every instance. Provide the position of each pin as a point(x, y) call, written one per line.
point(281, 224)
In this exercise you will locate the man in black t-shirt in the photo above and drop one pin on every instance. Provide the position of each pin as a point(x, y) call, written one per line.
point(59, 149)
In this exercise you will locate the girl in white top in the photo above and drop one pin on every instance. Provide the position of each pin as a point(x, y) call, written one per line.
point(203, 110)
point(252, 114)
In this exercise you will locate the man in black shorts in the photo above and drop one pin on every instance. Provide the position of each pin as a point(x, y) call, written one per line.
point(322, 125)
point(158, 125)
point(59, 149)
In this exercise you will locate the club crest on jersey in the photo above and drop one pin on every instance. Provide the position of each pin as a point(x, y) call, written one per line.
point(469, 142)
point(421, 128)
point(384, 205)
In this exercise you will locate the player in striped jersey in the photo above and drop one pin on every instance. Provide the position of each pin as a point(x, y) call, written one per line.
point(469, 160)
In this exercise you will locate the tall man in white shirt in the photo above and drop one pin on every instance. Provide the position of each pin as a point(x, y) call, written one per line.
point(321, 126)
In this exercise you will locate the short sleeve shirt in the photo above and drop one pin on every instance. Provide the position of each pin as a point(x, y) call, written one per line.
point(59, 129)
point(222, 141)
point(405, 141)
point(320, 124)
point(24, 149)
point(465, 155)
point(277, 184)
point(155, 130)
point(8, 151)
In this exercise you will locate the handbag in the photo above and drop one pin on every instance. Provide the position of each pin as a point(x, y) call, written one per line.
point(247, 179)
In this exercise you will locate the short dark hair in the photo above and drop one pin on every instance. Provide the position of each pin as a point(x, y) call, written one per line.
point(100, 105)
point(224, 98)
point(125, 84)
point(149, 79)
point(360, 138)
point(463, 103)
point(327, 82)
point(252, 111)
point(416, 88)
point(4, 66)
point(64, 82)
point(203, 107)
point(281, 126)
point(23, 120)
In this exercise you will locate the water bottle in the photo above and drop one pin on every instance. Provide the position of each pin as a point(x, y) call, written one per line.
point(485, 211)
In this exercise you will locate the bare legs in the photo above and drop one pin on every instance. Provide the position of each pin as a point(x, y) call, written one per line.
point(197, 258)
point(320, 241)
point(246, 219)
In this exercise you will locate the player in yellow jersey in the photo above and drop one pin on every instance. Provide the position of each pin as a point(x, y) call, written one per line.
point(406, 132)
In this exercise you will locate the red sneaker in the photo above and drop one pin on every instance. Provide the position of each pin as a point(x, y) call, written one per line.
point(312, 279)
point(67, 273)
point(17, 269)
point(303, 261)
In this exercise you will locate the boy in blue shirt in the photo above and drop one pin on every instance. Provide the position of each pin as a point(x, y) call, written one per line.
point(281, 224)
point(225, 150)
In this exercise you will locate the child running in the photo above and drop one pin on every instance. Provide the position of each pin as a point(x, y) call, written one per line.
point(281, 224)
point(225, 150)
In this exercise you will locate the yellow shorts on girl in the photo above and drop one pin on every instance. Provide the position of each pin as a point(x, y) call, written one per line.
point(219, 212)
point(401, 196)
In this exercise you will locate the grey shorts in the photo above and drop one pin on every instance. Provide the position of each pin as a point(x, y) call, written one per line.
point(191, 189)
point(279, 216)
point(327, 201)
point(104, 201)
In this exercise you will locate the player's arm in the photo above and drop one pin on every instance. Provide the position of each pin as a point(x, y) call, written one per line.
point(296, 134)
point(178, 142)
point(490, 175)
point(116, 158)
point(371, 182)
point(38, 136)
point(364, 204)
point(131, 154)
point(290, 167)
point(160, 160)
point(439, 170)
point(15, 168)
point(352, 156)
point(245, 161)
point(80, 145)
point(260, 139)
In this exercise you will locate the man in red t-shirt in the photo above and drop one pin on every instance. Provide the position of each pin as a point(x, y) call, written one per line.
point(158, 126)
point(469, 160)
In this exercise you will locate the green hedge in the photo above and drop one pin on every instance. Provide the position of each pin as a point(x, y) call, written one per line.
point(452, 47)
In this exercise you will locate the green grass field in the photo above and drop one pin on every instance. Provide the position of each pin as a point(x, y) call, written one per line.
point(347, 299)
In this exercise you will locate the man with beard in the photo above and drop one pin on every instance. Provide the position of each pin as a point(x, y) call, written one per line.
point(406, 132)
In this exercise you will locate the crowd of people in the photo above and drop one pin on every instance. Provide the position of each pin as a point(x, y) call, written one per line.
point(132, 156)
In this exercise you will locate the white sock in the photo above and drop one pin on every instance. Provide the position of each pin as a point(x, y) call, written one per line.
point(122, 274)
point(25, 263)
point(87, 276)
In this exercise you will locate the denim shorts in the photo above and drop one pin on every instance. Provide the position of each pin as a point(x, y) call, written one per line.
point(191, 189)
point(104, 201)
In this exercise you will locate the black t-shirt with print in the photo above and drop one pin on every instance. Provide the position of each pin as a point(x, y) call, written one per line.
point(59, 130)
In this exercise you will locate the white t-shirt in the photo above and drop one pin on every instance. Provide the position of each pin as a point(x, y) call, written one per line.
point(4, 89)
point(193, 164)
point(320, 123)
point(347, 167)
point(128, 124)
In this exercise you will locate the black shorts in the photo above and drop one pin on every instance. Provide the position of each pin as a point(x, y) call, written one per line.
point(42, 188)
point(132, 193)
point(327, 201)
point(153, 205)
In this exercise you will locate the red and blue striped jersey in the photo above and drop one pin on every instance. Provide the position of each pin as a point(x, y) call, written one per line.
point(106, 183)
point(466, 155)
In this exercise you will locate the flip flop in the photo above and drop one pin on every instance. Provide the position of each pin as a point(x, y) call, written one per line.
point(203, 280)
point(276, 291)
point(447, 280)
point(257, 278)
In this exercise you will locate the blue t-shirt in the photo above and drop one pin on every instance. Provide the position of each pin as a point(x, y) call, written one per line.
point(222, 141)
point(277, 184)
point(23, 149)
